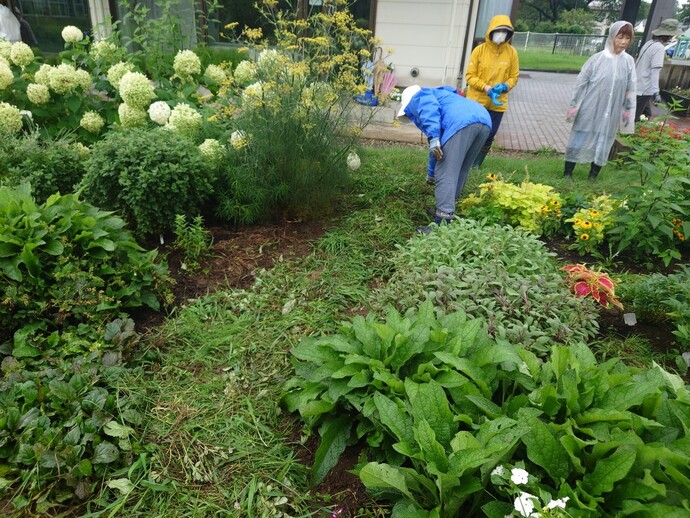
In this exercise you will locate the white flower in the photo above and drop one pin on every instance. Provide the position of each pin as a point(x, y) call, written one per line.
point(82, 151)
point(37, 94)
point(92, 122)
point(26, 113)
point(252, 96)
point(212, 150)
point(10, 119)
point(186, 65)
point(238, 139)
point(159, 112)
point(215, 74)
point(353, 161)
point(21, 54)
point(643, 118)
point(269, 63)
point(116, 72)
point(5, 48)
point(6, 76)
point(185, 119)
point(72, 34)
point(560, 503)
point(42, 75)
point(245, 73)
point(84, 79)
point(524, 504)
point(498, 471)
point(131, 116)
point(518, 476)
point(136, 90)
point(105, 50)
point(63, 79)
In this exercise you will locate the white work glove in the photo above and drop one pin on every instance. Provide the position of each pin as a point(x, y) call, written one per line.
point(435, 148)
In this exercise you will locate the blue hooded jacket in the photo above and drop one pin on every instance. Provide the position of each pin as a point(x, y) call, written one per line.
point(441, 112)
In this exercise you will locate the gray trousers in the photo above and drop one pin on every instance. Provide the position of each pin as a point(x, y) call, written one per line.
point(459, 153)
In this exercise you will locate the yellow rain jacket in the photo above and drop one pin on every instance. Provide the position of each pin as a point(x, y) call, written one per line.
point(491, 64)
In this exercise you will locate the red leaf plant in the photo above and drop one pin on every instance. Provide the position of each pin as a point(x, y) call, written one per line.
point(584, 282)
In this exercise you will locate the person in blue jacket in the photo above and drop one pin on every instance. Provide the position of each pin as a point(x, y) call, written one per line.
point(456, 129)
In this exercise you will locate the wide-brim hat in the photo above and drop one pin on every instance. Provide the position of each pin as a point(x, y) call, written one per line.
point(407, 95)
point(668, 27)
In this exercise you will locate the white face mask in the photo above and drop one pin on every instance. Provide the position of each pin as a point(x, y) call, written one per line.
point(498, 37)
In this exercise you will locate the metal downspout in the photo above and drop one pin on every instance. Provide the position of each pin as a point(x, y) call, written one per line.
point(461, 79)
point(451, 33)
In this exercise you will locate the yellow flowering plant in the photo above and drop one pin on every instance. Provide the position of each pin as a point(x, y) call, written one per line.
point(290, 103)
point(530, 206)
point(589, 224)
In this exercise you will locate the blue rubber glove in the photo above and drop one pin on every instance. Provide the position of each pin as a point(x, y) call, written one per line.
point(494, 97)
point(501, 88)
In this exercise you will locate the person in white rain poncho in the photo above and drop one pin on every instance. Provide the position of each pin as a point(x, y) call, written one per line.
point(603, 102)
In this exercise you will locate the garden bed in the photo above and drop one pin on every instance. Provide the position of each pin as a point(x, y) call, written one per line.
point(669, 96)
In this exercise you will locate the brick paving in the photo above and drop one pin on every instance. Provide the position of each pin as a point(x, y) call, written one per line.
point(536, 112)
point(535, 118)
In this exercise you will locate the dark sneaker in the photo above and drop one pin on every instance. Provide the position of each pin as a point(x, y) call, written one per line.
point(430, 180)
point(424, 229)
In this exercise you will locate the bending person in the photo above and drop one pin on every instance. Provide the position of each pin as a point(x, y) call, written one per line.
point(492, 72)
point(603, 102)
point(456, 128)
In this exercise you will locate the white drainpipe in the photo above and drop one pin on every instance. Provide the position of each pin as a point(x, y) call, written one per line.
point(451, 33)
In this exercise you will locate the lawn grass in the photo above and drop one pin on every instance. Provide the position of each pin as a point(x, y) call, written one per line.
point(213, 374)
point(545, 61)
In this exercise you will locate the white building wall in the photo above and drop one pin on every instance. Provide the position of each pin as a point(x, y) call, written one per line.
point(427, 36)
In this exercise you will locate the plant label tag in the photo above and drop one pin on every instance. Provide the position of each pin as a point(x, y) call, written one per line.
point(630, 319)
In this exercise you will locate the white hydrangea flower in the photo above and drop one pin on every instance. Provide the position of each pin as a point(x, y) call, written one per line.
point(215, 74)
point(84, 79)
point(269, 63)
point(105, 50)
point(212, 150)
point(63, 79)
point(498, 471)
point(92, 122)
point(524, 504)
point(253, 95)
point(37, 94)
point(558, 504)
point(72, 34)
point(184, 119)
point(83, 152)
point(186, 65)
point(42, 75)
point(10, 119)
point(5, 61)
point(116, 72)
point(131, 116)
point(319, 95)
point(6, 76)
point(136, 90)
point(353, 161)
point(245, 73)
point(21, 54)
point(238, 139)
point(5, 48)
point(518, 476)
point(643, 118)
point(159, 112)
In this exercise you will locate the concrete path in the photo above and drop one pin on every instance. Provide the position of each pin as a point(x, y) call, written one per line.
point(535, 118)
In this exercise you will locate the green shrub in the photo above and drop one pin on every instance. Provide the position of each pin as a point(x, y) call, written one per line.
point(66, 263)
point(149, 176)
point(503, 275)
point(51, 166)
